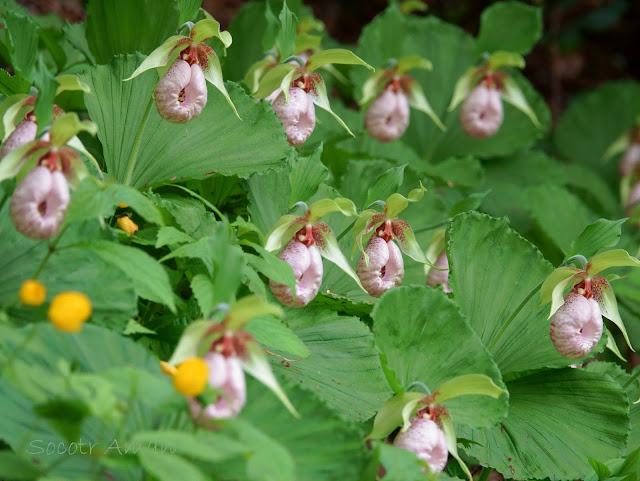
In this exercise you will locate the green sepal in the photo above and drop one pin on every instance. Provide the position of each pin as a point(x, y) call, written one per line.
point(191, 341)
point(13, 162)
point(161, 55)
point(320, 98)
point(512, 93)
point(322, 207)
point(213, 72)
point(418, 101)
point(257, 71)
point(273, 79)
point(361, 228)
point(284, 229)
point(328, 248)
point(77, 144)
point(209, 28)
point(452, 442)
point(372, 87)
point(552, 289)
point(68, 126)
point(463, 87)
point(412, 61)
point(396, 203)
point(285, 85)
point(606, 299)
point(466, 385)
point(15, 108)
point(391, 415)
point(337, 56)
point(247, 308)
point(612, 346)
point(436, 246)
point(78, 170)
point(620, 145)
point(71, 82)
point(505, 59)
point(305, 41)
point(255, 363)
point(612, 258)
point(406, 240)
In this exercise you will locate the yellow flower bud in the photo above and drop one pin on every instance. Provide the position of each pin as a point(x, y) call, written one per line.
point(122, 205)
point(127, 225)
point(191, 377)
point(168, 369)
point(68, 310)
point(32, 293)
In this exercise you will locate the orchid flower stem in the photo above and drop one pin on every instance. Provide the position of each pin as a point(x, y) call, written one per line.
point(136, 144)
point(342, 234)
point(431, 227)
point(513, 316)
point(52, 249)
point(200, 198)
point(16, 351)
point(633, 377)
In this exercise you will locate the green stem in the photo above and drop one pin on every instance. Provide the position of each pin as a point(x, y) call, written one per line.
point(52, 249)
point(431, 227)
point(485, 474)
point(633, 377)
point(136, 144)
point(513, 316)
point(343, 233)
point(22, 345)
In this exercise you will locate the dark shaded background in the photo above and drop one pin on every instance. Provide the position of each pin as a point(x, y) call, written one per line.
point(586, 42)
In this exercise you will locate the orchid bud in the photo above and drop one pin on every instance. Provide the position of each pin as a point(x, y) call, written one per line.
point(181, 93)
point(630, 160)
point(307, 268)
point(226, 375)
point(633, 200)
point(388, 116)
point(24, 133)
point(39, 203)
point(385, 269)
point(481, 113)
point(427, 440)
point(577, 326)
point(298, 116)
point(437, 277)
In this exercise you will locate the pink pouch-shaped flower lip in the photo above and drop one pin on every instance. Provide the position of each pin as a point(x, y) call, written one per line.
point(427, 440)
point(437, 277)
point(39, 203)
point(307, 269)
point(24, 133)
point(385, 269)
point(181, 93)
point(576, 327)
point(298, 117)
point(481, 113)
point(388, 116)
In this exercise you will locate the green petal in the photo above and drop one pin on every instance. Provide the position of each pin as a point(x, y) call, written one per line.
point(208, 28)
point(160, 56)
point(249, 307)
point(552, 288)
point(213, 72)
point(419, 101)
point(613, 258)
point(190, 341)
point(69, 125)
point(390, 415)
point(71, 82)
point(505, 59)
point(10, 118)
point(606, 299)
point(513, 94)
point(412, 61)
point(284, 229)
point(452, 443)
point(466, 385)
point(272, 80)
point(319, 97)
point(396, 203)
point(322, 207)
point(335, 55)
point(406, 239)
point(464, 85)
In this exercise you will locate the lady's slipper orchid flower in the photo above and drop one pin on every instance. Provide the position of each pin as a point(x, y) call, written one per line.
point(389, 92)
point(298, 114)
point(381, 266)
point(24, 133)
point(39, 203)
point(577, 318)
point(181, 93)
point(440, 277)
point(306, 263)
point(577, 326)
point(482, 90)
point(427, 440)
point(308, 240)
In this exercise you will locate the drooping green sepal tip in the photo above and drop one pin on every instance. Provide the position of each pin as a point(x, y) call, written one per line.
point(606, 299)
point(467, 384)
point(249, 307)
point(334, 56)
point(418, 100)
point(255, 363)
point(321, 99)
point(452, 443)
point(463, 87)
point(502, 58)
point(411, 62)
point(396, 203)
point(612, 346)
point(212, 72)
point(69, 125)
point(209, 28)
point(71, 83)
point(512, 93)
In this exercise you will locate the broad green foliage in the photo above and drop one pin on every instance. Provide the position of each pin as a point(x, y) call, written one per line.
point(177, 233)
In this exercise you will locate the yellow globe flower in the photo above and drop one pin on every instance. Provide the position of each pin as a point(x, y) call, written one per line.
point(68, 310)
point(122, 205)
point(191, 377)
point(32, 293)
point(127, 225)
